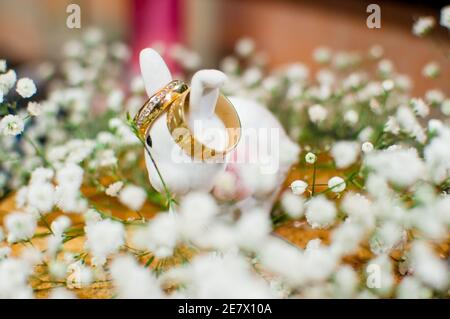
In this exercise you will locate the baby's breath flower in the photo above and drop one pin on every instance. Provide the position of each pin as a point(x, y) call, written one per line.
point(253, 228)
point(403, 82)
point(32, 255)
point(411, 288)
point(93, 36)
point(367, 147)
point(92, 216)
point(402, 167)
point(41, 196)
point(80, 275)
point(106, 158)
point(310, 158)
point(325, 77)
point(20, 226)
point(103, 239)
point(409, 123)
point(297, 72)
point(351, 117)
point(423, 26)
point(127, 272)
point(160, 236)
point(435, 126)
point(345, 153)
point(252, 76)
point(385, 67)
point(133, 197)
point(445, 107)
point(15, 274)
point(344, 60)
point(57, 269)
point(317, 113)
point(346, 282)
point(388, 85)
point(26, 87)
point(375, 106)
point(197, 211)
point(70, 176)
point(11, 125)
point(45, 70)
point(114, 189)
point(120, 51)
point(420, 107)
point(7, 81)
point(68, 200)
point(434, 96)
point(436, 154)
point(298, 187)
point(445, 17)
point(392, 125)
point(34, 108)
point(385, 238)
point(115, 100)
point(3, 66)
point(292, 204)
point(137, 85)
point(431, 70)
point(229, 65)
point(428, 267)
point(60, 224)
point(245, 47)
point(322, 55)
point(376, 52)
point(105, 138)
point(336, 184)
point(320, 212)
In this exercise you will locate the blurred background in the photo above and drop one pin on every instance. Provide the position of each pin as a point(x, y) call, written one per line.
point(286, 30)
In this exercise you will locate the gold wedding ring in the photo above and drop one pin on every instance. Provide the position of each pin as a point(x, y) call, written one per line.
point(157, 104)
point(178, 126)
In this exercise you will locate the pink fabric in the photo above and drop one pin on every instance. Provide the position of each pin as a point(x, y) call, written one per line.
point(155, 20)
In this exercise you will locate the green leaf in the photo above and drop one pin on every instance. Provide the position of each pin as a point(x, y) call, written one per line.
point(3, 109)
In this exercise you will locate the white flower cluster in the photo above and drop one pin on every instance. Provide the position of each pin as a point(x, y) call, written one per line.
point(423, 26)
point(14, 124)
point(374, 177)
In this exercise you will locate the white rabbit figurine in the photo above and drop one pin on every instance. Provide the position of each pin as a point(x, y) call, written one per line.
point(185, 175)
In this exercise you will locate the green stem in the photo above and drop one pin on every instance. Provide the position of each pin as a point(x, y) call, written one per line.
point(39, 152)
point(166, 189)
point(136, 133)
point(314, 179)
point(357, 184)
point(44, 220)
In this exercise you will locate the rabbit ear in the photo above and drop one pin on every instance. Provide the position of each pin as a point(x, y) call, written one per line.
point(205, 85)
point(154, 71)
